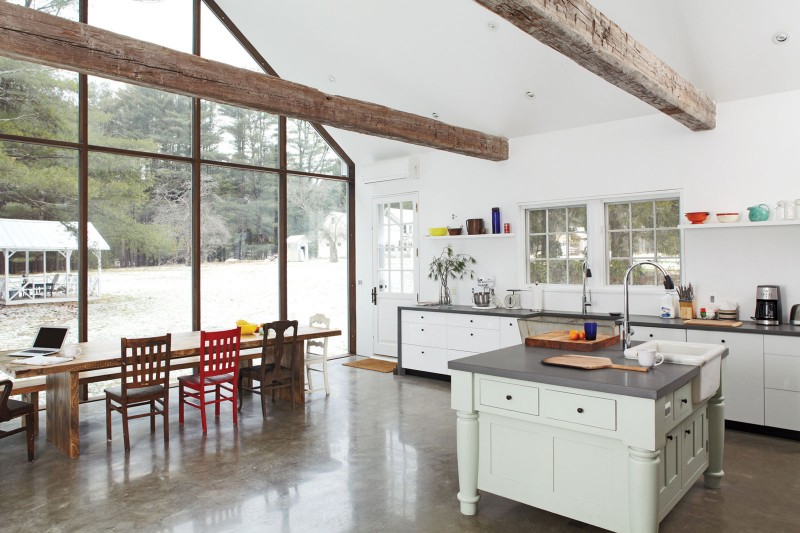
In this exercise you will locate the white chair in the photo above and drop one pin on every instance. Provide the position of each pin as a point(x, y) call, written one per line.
point(316, 353)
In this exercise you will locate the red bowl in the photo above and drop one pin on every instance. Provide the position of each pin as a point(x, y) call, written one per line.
point(697, 217)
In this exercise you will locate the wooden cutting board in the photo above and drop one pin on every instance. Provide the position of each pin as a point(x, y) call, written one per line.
point(588, 362)
point(560, 340)
point(715, 323)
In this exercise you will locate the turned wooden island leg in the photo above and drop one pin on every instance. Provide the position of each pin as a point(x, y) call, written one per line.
point(63, 413)
point(467, 450)
point(712, 478)
point(643, 490)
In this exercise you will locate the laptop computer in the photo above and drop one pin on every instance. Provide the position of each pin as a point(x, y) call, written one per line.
point(49, 340)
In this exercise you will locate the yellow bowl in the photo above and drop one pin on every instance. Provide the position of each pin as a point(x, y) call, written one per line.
point(249, 329)
point(437, 232)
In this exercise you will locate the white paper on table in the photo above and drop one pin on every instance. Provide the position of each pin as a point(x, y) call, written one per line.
point(44, 360)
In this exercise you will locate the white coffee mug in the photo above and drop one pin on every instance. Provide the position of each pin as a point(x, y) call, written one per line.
point(72, 351)
point(650, 358)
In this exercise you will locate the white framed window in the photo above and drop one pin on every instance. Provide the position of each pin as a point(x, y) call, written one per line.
point(557, 244)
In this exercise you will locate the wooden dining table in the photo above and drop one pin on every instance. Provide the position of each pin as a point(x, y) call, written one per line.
point(63, 379)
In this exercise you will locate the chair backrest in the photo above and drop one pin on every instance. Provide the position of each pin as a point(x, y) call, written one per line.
point(219, 352)
point(145, 361)
point(55, 280)
point(7, 386)
point(278, 348)
point(318, 346)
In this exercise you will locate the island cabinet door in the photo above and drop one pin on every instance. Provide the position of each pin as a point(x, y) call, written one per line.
point(669, 471)
point(694, 447)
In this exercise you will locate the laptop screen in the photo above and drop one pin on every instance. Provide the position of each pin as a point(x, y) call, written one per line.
point(50, 337)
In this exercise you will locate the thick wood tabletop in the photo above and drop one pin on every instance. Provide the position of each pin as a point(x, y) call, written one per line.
point(106, 354)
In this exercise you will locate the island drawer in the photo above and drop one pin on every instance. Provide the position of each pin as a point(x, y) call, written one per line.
point(433, 335)
point(424, 317)
point(509, 396)
point(682, 403)
point(580, 409)
point(462, 320)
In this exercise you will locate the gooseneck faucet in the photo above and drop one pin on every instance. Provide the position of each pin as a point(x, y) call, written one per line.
point(626, 322)
point(586, 302)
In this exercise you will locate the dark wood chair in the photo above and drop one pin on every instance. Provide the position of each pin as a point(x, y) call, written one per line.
point(10, 409)
point(218, 371)
point(276, 370)
point(145, 381)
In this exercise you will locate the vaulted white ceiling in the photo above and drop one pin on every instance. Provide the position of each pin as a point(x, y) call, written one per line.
point(442, 56)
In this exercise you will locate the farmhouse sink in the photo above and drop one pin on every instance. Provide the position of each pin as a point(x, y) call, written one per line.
point(687, 353)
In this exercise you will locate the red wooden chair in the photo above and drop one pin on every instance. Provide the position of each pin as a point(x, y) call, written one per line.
point(218, 372)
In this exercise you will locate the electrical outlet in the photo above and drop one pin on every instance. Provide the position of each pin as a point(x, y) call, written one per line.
point(712, 298)
point(452, 216)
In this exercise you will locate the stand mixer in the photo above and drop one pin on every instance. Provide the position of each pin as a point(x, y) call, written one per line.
point(484, 297)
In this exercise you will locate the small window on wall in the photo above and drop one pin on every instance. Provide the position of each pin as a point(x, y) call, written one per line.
point(639, 231)
point(557, 244)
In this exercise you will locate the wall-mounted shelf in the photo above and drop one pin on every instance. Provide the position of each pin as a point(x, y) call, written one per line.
point(481, 236)
point(742, 224)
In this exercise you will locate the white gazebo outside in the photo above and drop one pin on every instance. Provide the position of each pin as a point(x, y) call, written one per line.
point(26, 236)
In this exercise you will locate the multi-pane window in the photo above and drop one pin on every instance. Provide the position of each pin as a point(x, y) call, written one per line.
point(557, 244)
point(642, 230)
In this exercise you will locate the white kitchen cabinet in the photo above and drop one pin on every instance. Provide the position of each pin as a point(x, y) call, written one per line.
point(684, 454)
point(782, 382)
point(744, 368)
point(509, 332)
point(645, 333)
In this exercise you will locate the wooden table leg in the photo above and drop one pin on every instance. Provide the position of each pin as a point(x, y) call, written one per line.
point(62, 413)
point(299, 356)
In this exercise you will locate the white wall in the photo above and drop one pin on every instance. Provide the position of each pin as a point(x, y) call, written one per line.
point(751, 157)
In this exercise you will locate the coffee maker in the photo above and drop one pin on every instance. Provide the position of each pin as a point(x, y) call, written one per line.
point(768, 305)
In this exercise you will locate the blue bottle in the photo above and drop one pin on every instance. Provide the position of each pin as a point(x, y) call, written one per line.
point(496, 220)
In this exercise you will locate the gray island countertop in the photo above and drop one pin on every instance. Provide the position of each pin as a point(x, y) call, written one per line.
point(525, 363)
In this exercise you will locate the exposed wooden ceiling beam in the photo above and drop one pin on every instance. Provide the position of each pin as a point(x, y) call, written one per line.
point(582, 33)
point(33, 36)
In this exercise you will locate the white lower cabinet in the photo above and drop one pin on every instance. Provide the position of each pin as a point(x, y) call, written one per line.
point(744, 369)
point(684, 455)
point(431, 339)
point(782, 382)
point(509, 332)
point(644, 333)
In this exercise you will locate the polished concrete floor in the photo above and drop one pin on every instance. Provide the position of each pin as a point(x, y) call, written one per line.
point(378, 455)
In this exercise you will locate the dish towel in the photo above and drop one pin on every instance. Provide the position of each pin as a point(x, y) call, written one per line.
point(44, 360)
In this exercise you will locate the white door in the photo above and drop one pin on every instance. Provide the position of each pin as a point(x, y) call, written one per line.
point(394, 236)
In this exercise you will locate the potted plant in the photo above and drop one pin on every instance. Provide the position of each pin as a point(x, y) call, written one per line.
point(449, 265)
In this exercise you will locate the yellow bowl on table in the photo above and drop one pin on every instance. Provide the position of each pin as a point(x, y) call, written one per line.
point(437, 232)
point(246, 328)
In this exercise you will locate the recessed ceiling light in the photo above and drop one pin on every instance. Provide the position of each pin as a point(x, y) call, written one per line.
point(530, 95)
point(332, 78)
point(780, 37)
point(435, 114)
point(492, 25)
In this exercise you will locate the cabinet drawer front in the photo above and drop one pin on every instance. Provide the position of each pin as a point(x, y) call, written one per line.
point(782, 372)
point(472, 339)
point(425, 358)
point(433, 335)
point(580, 409)
point(682, 405)
point(509, 332)
point(509, 396)
point(424, 317)
point(749, 342)
point(462, 320)
point(644, 333)
point(782, 409)
point(782, 345)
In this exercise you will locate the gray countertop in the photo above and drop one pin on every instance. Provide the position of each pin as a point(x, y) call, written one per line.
point(636, 320)
point(525, 363)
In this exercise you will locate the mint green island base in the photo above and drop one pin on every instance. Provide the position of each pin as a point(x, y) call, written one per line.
point(616, 461)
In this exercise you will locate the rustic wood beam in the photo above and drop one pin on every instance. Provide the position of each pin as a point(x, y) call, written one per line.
point(583, 34)
point(41, 38)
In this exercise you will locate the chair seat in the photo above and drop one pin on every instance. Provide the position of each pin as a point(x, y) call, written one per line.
point(17, 408)
point(133, 394)
point(194, 379)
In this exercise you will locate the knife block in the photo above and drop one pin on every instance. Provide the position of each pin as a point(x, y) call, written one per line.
point(687, 309)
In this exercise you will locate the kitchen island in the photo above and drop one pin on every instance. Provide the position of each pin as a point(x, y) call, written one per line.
point(607, 447)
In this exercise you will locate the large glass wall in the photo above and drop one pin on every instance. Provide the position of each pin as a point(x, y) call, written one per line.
point(149, 162)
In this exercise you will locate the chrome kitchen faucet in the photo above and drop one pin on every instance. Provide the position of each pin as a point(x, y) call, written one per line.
point(587, 273)
point(626, 324)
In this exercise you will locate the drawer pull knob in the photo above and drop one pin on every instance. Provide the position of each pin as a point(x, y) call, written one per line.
point(471, 334)
point(684, 400)
point(723, 341)
point(508, 396)
point(580, 409)
point(669, 437)
point(651, 335)
point(688, 431)
point(470, 321)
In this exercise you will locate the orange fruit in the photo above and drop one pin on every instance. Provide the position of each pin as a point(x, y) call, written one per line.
point(582, 335)
point(574, 335)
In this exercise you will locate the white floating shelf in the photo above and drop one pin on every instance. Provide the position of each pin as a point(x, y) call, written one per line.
point(481, 236)
point(742, 224)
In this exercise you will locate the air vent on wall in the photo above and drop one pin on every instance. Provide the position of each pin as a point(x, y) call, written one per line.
point(391, 170)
